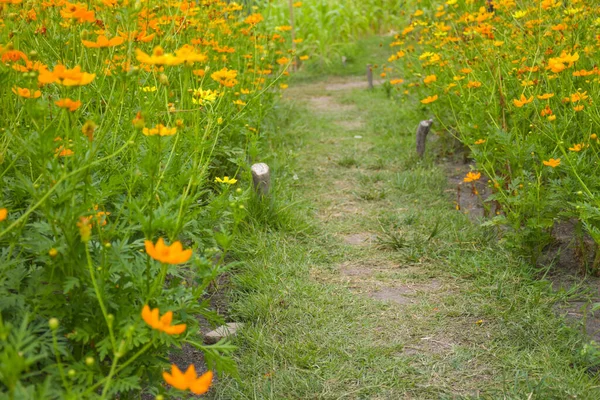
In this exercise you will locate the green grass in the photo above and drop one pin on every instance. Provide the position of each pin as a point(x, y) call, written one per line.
point(478, 324)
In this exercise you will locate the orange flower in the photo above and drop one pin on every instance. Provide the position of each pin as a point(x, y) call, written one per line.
point(189, 380)
point(578, 96)
point(173, 254)
point(3, 214)
point(26, 93)
point(430, 78)
point(474, 84)
point(226, 77)
point(472, 176)
point(69, 104)
point(545, 96)
point(152, 318)
point(429, 99)
point(64, 76)
point(577, 147)
point(524, 100)
point(480, 141)
point(103, 41)
point(552, 162)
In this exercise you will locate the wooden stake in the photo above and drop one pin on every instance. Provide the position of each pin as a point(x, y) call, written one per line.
point(293, 32)
point(370, 75)
point(261, 177)
point(422, 131)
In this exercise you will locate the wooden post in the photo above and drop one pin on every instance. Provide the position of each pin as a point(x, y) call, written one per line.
point(293, 33)
point(261, 177)
point(370, 75)
point(422, 131)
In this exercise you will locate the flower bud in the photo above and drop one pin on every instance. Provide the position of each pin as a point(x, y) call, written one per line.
point(89, 361)
point(53, 323)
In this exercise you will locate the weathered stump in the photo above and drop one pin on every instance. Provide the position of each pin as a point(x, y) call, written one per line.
point(370, 75)
point(261, 177)
point(422, 131)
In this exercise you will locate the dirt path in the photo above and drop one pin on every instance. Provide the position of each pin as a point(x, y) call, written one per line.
point(361, 280)
point(355, 188)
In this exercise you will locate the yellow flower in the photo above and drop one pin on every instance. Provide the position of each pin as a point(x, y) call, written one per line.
point(474, 84)
point(227, 180)
point(149, 89)
point(552, 162)
point(429, 99)
point(160, 130)
point(480, 141)
point(199, 96)
point(3, 214)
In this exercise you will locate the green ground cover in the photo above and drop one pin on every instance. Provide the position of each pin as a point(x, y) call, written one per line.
point(363, 281)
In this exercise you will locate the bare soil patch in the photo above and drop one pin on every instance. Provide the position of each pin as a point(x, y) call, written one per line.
point(360, 239)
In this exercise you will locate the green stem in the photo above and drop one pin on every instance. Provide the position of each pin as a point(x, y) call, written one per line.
point(57, 184)
point(99, 297)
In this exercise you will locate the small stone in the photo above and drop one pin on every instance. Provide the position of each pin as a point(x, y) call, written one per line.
point(224, 331)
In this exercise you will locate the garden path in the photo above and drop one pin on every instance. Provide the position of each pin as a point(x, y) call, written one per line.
point(362, 280)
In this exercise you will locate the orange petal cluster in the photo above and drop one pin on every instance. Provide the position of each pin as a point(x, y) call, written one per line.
point(26, 93)
point(103, 41)
point(472, 176)
point(69, 104)
point(160, 130)
point(64, 76)
point(189, 379)
point(163, 324)
point(173, 254)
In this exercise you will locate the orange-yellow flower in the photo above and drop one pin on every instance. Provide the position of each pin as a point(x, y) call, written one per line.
point(472, 176)
point(430, 78)
point(226, 77)
point(173, 254)
point(103, 41)
point(3, 214)
point(160, 130)
point(522, 101)
point(163, 324)
point(26, 93)
point(188, 380)
point(577, 147)
point(429, 99)
point(474, 84)
point(64, 76)
point(480, 141)
point(69, 104)
point(578, 96)
point(545, 96)
point(552, 162)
